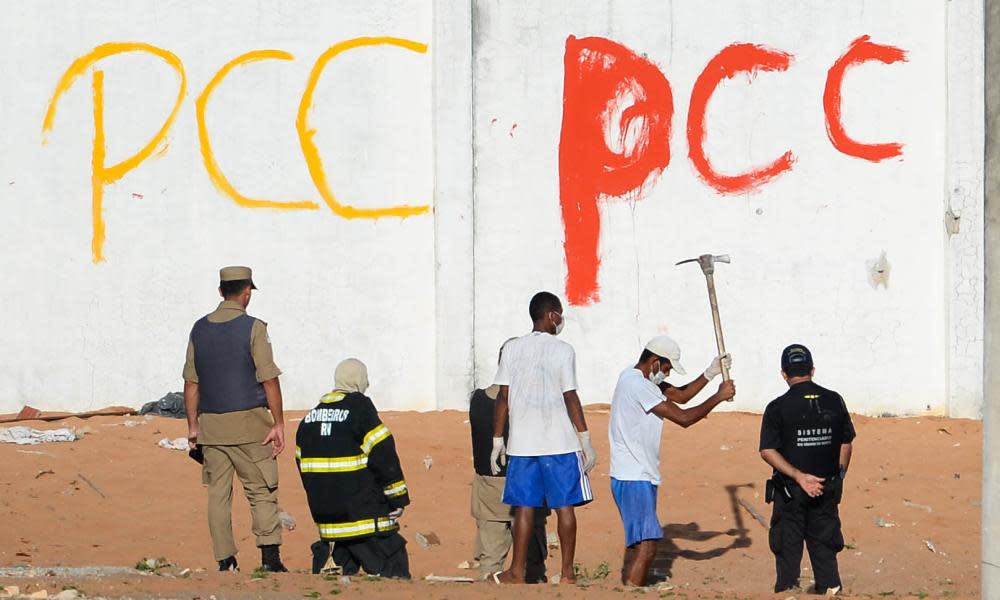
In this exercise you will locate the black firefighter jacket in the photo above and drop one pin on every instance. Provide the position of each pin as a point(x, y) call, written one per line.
point(349, 468)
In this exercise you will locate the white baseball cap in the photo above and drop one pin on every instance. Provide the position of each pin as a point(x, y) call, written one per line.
point(665, 346)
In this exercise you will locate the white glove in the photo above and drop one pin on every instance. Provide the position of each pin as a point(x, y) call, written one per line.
point(498, 457)
point(589, 454)
point(716, 367)
point(396, 513)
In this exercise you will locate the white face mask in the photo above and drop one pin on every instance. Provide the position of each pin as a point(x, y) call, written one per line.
point(657, 378)
point(559, 327)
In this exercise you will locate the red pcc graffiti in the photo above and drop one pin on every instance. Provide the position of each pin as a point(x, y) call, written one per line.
point(608, 150)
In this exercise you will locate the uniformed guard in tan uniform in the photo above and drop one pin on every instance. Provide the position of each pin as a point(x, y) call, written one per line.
point(234, 413)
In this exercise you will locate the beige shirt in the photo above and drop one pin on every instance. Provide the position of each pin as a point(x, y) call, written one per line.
point(245, 426)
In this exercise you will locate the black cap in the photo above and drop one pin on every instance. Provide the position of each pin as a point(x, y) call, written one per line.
point(796, 357)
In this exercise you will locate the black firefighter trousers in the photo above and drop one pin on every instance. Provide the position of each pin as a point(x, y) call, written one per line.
point(382, 554)
point(816, 521)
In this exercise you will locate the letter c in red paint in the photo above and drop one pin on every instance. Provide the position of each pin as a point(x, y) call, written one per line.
point(861, 50)
point(737, 58)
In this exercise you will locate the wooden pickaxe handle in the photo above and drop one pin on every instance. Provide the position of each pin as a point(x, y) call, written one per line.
point(719, 341)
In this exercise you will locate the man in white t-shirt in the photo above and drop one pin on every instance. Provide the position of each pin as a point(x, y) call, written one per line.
point(638, 408)
point(549, 447)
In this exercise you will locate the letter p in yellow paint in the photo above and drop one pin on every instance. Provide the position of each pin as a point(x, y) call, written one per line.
point(102, 174)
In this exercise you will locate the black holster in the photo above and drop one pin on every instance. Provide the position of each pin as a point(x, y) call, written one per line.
point(776, 485)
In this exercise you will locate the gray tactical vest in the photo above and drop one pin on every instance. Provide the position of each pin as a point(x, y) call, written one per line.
point(227, 376)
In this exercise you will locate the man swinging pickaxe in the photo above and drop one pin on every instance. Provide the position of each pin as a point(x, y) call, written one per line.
point(707, 262)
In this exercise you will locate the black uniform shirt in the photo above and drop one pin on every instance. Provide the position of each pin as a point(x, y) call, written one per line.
point(807, 425)
point(481, 409)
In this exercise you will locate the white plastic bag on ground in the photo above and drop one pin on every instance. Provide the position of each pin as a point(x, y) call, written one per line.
point(28, 436)
point(180, 443)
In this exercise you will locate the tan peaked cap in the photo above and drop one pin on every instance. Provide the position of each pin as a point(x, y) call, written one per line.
point(236, 274)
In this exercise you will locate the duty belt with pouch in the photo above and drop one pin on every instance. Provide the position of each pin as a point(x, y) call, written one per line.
point(776, 485)
point(779, 484)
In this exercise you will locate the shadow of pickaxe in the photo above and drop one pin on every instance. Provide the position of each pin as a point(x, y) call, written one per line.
point(743, 539)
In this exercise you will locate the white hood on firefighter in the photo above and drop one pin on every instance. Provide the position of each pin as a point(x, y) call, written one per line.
point(351, 375)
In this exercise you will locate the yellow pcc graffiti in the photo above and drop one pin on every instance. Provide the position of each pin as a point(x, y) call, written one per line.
point(103, 175)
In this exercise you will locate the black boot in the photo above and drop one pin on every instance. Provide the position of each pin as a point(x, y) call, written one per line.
point(229, 564)
point(321, 554)
point(270, 559)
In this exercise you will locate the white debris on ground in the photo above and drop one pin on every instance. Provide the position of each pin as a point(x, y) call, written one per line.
point(28, 436)
point(287, 521)
point(175, 444)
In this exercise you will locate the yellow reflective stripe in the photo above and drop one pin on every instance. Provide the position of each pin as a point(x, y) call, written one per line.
point(395, 489)
point(332, 397)
point(373, 437)
point(363, 527)
point(339, 464)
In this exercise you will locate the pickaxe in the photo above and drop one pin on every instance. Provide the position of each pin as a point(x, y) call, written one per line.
point(707, 262)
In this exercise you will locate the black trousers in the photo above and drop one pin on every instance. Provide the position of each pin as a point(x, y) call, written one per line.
point(538, 549)
point(815, 521)
point(382, 554)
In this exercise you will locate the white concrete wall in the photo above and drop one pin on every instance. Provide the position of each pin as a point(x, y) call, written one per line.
point(82, 335)
point(800, 243)
point(472, 126)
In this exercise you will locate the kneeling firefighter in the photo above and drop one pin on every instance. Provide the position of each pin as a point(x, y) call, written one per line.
point(350, 470)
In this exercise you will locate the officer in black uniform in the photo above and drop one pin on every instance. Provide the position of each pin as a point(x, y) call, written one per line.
point(806, 437)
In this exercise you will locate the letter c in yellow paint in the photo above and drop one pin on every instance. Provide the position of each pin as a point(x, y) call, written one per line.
point(103, 175)
point(311, 152)
point(208, 156)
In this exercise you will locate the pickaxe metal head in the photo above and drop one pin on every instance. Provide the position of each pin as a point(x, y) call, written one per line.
point(707, 262)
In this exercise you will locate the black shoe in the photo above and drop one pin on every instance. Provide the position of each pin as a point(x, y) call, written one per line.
point(270, 559)
point(229, 564)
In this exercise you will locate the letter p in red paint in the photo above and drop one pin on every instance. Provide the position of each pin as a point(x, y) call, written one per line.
point(600, 76)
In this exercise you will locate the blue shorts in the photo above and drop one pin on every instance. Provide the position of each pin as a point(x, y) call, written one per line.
point(554, 481)
point(636, 502)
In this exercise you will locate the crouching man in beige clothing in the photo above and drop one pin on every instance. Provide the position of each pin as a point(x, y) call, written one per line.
point(493, 517)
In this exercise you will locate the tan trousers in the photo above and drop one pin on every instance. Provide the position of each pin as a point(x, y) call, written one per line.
point(258, 472)
point(493, 522)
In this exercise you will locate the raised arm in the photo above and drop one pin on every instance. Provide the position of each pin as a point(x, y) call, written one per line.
point(684, 393)
point(686, 417)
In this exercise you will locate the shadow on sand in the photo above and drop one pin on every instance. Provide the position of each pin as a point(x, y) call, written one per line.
point(667, 550)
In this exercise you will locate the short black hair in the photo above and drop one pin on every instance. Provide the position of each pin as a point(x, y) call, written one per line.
point(543, 303)
point(798, 370)
point(646, 355)
point(228, 289)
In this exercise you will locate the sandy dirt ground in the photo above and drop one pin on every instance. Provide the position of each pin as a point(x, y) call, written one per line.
point(911, 514)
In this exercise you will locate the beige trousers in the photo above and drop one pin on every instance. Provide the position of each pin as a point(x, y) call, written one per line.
point(258, 473)
point(493, 523)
